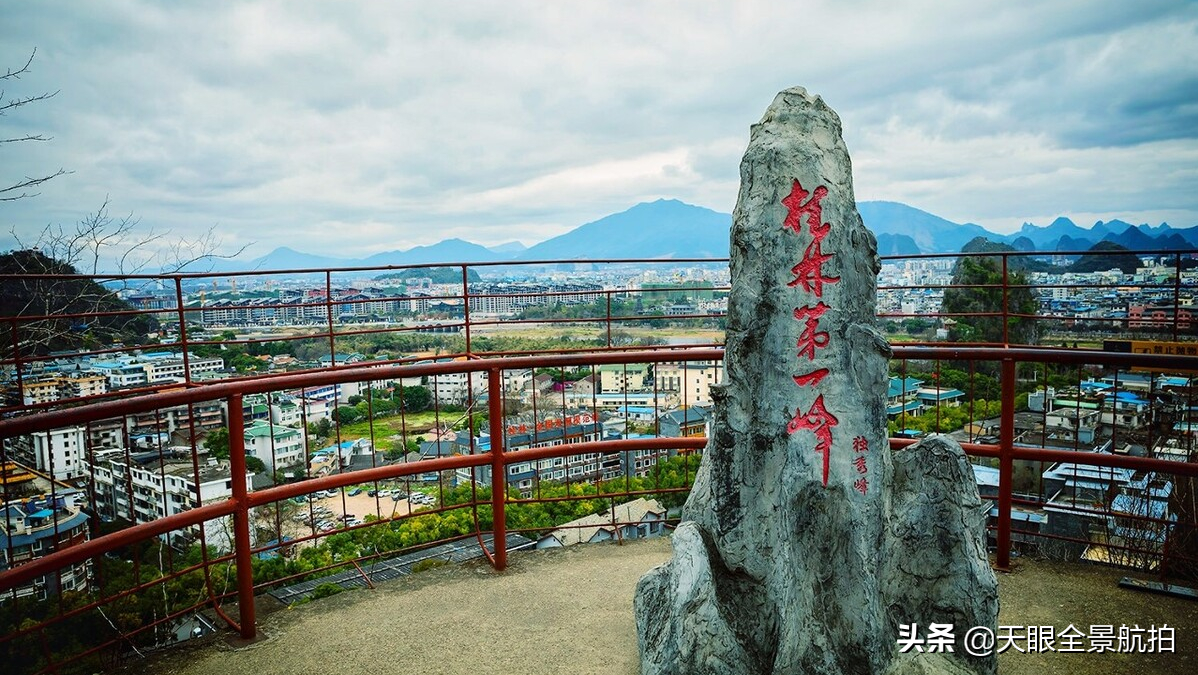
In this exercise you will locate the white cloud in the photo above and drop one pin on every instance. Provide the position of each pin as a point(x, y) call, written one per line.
point(348, 129)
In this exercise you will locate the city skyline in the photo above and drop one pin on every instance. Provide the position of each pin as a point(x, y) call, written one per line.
point(366, 130)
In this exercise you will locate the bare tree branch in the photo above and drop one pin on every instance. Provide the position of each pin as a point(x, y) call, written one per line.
point(91, 248)
point(16, 74)
point(28, 182)
point(18, 102)
point(18, 190)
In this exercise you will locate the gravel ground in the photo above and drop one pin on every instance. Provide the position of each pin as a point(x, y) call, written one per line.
point(570, 610)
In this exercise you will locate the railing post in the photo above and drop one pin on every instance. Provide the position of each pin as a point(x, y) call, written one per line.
point(183, 328)
point(241, 518)
point(466, 306)
point(498, 469)
point(1006, 463)
point(1176, 293)
point(1006, 303)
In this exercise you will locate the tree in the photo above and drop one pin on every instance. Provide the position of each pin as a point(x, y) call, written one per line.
point(978, 283)
point(321, 428)
point(347, 414)
point(98, 240)
point(254, 464)
point(62, 307)
point(415, 399)
point(217, 443)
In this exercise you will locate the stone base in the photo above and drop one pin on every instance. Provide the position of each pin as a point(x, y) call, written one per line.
point(695, 616)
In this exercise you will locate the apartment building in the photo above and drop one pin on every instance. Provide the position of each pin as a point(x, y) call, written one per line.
point(619, 378)
point(58, 453)
point(146, 486)
point(277, 446)
point(691, 381)
point(33, 528)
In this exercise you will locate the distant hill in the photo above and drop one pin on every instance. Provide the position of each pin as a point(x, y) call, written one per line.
point(449, 250)
point(1136, 239)
point(1045, 238)
point(1023, 244)
point(67, 295)
point(284, 258)
point(1111, 256)
point(439, 275)
point(1067, 243)
point(512, 248)
point(666, 228)
point(1017, 263)
point(897, 244)
point(932, 234)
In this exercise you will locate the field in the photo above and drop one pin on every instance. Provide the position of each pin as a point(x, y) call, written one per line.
point(415, 424)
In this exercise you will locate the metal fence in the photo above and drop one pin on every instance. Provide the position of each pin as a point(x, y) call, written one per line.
point(153, 562)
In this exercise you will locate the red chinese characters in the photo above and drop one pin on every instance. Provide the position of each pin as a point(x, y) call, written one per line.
point(806, 207)
point(811, 338)
point(860, 463)
point(813, 209)
point(811, 379)
point(818, 421)
point(810, 270)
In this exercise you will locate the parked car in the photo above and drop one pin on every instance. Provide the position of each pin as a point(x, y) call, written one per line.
point(355, 492)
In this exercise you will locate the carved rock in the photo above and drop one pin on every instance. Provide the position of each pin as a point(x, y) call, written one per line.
point(782, 562)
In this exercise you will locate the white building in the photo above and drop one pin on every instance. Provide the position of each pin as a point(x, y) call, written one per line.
point(170, 367)
point(690, 381)
point(58, 453)
point(276, 445)
point(454, 388)
point(149, 487)
point(619, 378)
point(286, 411)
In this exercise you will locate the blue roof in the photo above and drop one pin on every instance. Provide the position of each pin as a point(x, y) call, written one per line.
point(906, 407)
point(1138, 506)
point(639, 409)
point(344, 445)
point(900, 386)
point(43, 533)
point(933, 395)
point(985, 475)
point(1025, 516)
point(43, 513)
point(1128, 397)
point(1068, 471)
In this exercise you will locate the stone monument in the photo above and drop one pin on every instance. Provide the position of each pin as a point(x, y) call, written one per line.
point(805, 543)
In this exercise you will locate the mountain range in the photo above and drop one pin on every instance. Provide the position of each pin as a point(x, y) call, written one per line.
point(669, 229)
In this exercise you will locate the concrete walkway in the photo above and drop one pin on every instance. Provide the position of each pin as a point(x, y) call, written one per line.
point(570, 611)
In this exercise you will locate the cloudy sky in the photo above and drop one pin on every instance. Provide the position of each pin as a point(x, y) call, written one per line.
point(346, 130)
